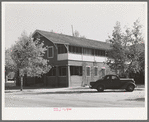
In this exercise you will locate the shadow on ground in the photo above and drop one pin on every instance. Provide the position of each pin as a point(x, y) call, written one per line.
point(80, 92)
point(137, 99)
point(76, 92)
point(48, 87)
point(30, 87)
point(64, 92)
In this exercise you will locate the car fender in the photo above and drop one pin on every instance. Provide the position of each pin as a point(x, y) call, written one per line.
point(99, 84)
point(126, 84)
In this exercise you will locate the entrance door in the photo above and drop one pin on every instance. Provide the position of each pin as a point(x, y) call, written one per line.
point(76, 75)
point(103, 72)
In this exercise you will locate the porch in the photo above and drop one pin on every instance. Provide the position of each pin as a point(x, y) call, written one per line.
point(72, 75)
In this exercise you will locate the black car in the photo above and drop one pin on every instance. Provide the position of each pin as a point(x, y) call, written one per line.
point(113, 82)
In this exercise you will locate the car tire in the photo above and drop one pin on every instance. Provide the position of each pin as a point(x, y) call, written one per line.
point(100, 88)
point(130, 87)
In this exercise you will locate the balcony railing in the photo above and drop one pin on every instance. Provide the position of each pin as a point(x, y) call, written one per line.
point(80, 57)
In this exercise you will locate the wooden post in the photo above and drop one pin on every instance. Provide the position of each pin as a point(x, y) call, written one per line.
point(57, 74)
point(45, 79)
point(21, 77)
point(84, 79)
point(68, 75)
point(21, 83)
point(17, 78)
point(34, 78)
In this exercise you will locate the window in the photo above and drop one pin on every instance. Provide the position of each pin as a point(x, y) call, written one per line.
point(62, 71)
point(114, 78)
point(50, 52)
point(99, 53)
point(76, 50)
point(79, 50)
point(107, 78)
point(61, 49)
point(96, 52)
point(70, 49)
point(102, 53)
point(95, 71)
point(88, 71)
point(76, 70)
point(88, 51)
point(52, 72)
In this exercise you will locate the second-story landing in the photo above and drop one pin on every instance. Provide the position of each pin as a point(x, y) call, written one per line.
point(75, 48)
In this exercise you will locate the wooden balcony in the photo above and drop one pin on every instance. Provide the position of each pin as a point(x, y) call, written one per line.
point(80, 57)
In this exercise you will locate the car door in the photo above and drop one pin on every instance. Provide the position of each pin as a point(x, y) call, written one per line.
point(107, 81)
point(115, 82)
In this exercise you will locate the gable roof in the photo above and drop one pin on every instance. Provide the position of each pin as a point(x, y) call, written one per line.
point(74, 41)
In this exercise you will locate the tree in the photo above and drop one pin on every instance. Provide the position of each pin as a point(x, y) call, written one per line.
point(27, 56)
point(77, 34)
point(126, 55)
point(116, 56)
point(136, 50)
point(83, 37)
point(9, 63)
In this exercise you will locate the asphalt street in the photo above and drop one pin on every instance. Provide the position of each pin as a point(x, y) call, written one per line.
point(74, 97)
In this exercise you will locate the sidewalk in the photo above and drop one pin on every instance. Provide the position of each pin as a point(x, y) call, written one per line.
point(140, 86)
point(70, 89)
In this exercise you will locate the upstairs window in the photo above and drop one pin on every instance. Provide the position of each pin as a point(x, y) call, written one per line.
point(62, 49)
point(50, 52)
point(87, 51)
point(103, 53)
point(99, 53)
point(76, 50)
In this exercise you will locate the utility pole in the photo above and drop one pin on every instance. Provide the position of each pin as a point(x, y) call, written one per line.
point(72, 30)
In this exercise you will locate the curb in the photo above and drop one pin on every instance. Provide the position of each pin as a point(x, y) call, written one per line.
point(59, 90)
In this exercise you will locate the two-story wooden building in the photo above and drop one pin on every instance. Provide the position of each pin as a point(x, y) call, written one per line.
point(75, 61)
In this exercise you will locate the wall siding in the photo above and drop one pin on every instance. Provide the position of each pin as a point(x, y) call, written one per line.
point(30, 81)
point(62, 81)
point(75, 81)
point(50, 81)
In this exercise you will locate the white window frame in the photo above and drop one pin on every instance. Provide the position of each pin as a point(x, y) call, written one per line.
point(89, 71)
point(94, 71)
point(52, 52)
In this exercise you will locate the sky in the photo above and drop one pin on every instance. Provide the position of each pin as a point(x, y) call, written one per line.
point(94, 20)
